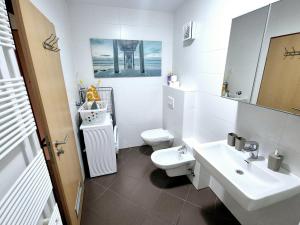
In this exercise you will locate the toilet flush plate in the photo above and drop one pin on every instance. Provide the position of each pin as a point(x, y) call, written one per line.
point(171, 102)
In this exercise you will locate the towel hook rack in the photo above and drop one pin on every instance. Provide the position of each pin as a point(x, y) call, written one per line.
point(51, 43)
point(291, 53)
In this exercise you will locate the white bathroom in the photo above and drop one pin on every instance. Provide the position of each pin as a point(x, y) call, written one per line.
point(148, 112)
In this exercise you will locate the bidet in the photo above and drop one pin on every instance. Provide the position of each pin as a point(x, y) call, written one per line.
point(182, 150)
point(176, 161)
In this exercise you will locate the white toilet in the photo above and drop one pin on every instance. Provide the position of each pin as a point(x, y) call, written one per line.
point(176, 161)
point(158, 138)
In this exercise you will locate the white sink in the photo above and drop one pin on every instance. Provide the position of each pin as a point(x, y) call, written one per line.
point(252, 184)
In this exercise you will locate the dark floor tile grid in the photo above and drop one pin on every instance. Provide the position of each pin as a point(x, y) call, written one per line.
point(141, 194)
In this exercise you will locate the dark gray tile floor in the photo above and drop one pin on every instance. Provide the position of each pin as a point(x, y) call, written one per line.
point(141, 194)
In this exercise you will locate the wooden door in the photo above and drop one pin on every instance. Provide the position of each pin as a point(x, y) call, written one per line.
point(281, 76)
point(46, 78)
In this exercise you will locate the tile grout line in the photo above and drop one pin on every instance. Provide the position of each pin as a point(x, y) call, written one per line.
point(100, 195)
point(179, 214)
point(182, 199)
point(160, 190)
point(184, 202)
point(108, 188)
point(147, 210)
point(96, 199)
point(188, 192)
point(189, 202)
point(127, 199)
point(118, 194)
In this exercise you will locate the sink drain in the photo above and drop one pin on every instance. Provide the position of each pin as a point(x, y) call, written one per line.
point(240, 172)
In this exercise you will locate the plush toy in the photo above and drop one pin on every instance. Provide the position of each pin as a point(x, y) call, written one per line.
point(92, 94)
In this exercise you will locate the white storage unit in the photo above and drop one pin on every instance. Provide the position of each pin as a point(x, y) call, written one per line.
point(100, 147)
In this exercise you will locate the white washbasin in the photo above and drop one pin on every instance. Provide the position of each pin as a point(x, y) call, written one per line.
point(257, 186)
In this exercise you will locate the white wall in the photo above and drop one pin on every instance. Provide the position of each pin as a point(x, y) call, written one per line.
point(57, 12)
point(138, 101)
point(201, 65)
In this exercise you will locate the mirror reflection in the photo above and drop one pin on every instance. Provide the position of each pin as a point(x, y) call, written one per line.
point(263, 61)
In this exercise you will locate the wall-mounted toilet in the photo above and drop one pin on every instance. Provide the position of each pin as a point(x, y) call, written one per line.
point(158, 138)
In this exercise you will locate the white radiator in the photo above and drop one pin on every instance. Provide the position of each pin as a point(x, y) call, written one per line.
point(25, 201)
point(6, 38)
point(16, 118)
point(55, 217)
point(26, 196)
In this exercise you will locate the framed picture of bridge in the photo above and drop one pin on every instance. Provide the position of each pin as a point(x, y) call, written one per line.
point(126, 58)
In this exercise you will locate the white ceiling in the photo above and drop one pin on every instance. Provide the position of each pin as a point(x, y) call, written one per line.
point(158, 5)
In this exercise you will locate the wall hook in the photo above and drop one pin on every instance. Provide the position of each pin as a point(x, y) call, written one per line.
point(50, 43)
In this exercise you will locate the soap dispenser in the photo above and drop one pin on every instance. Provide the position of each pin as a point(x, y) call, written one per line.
point(275, 161)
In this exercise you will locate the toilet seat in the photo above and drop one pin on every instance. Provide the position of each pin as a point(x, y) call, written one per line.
point(157, 135)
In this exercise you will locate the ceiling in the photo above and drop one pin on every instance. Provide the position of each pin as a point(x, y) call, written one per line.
point(158, 5)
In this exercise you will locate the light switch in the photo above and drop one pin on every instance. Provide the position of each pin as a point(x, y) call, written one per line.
point(171, 102)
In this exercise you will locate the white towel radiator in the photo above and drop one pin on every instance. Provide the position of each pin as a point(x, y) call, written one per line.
point(26, 196)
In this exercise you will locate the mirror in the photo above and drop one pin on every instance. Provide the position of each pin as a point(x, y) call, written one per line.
point(263, 60)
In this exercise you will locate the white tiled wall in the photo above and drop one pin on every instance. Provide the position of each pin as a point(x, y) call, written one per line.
point(173, 117)
point(138, 100)
point(179, 121)
point(201, 65)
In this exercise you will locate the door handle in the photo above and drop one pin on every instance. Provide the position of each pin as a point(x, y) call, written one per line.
point(60, 151)
point(57, 143)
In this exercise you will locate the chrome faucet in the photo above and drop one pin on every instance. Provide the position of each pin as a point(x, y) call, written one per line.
point(252, 147)
point(182, 149)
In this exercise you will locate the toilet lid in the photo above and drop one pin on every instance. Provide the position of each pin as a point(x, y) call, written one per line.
point(157, 135)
